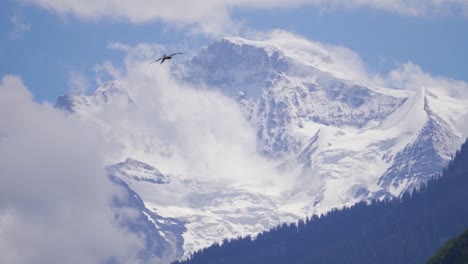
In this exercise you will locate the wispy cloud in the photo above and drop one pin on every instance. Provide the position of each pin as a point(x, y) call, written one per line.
point(178, 128)
point(54, 195)
point(213, 17)
point(77, 82)
point(410, 76)
point(19, 26)
point(348, 64)
point(209, 131)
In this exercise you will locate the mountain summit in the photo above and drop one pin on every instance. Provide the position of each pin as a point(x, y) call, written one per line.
point(310, 105)
point(334, 136)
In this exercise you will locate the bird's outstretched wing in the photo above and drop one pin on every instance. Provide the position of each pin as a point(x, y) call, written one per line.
point(156, 60)
point(176, 53)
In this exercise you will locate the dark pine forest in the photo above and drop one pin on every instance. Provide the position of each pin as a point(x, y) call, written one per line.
point(409, 229)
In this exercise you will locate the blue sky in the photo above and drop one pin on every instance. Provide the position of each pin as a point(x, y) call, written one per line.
point(48, 45)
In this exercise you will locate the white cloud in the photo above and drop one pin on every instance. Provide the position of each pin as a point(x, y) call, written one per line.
point(347, 64)
point(213, 16)
point(207, 134)
point(54, 195)
point(410, 76)
point(77, 82)
point(19, 26)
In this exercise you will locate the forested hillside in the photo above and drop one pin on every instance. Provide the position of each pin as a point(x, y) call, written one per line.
point(454, 251)
point(406, 230)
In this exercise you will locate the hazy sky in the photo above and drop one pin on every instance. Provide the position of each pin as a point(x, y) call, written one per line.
point(54, 45)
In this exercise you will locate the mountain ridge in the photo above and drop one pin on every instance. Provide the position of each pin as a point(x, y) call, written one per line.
point(338, 137)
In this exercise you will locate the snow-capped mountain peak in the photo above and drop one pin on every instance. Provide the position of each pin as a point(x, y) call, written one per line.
point(337, 61)
point(256, 64)
point(333, 136)
point(107, 93)
point(139, 171)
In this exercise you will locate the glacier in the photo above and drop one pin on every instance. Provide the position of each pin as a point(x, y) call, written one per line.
point(329, 135)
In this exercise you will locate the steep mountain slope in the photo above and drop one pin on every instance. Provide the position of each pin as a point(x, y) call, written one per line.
point(406, 230)
point(424, 156)
point(333, 137)
point(162, 235)
point(209, 210)
point(308, 105)
point(454, 251)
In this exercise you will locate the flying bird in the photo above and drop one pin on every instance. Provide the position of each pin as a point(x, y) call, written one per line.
point(166, 57)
